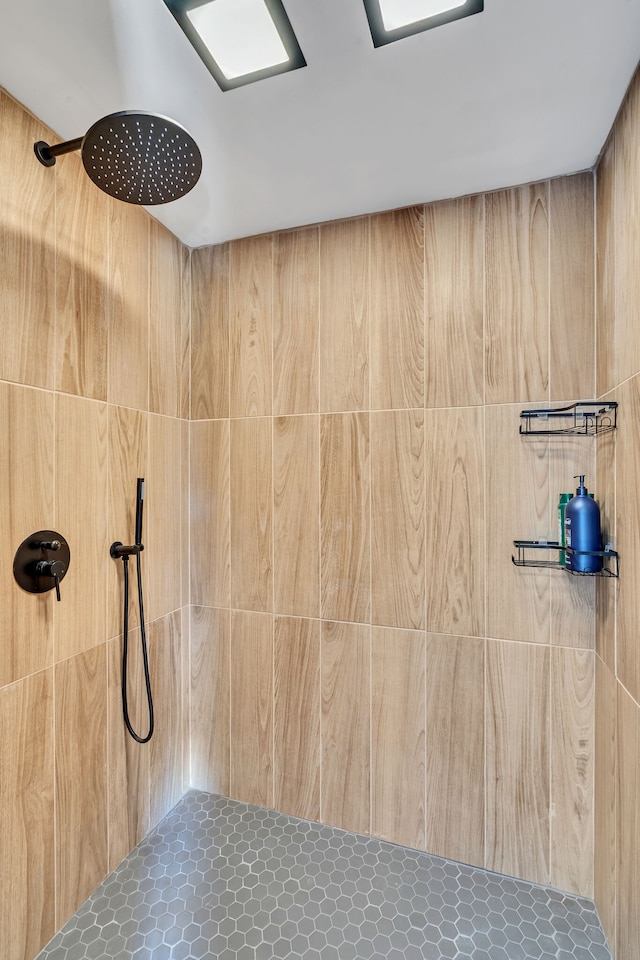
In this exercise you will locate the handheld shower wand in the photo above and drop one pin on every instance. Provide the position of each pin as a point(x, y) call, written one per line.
point(121, 552)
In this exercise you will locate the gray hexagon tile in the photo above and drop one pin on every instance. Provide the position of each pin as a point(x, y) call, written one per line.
point(221, 879)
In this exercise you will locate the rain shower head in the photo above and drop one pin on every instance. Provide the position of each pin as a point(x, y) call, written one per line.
point(136, 157)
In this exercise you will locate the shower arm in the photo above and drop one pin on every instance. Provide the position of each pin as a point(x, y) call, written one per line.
point(47, 155)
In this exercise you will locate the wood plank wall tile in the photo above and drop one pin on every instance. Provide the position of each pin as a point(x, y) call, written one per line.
point(209, 521)
point(82, 283)
point(455, 521)
point(296, 502)
point(605, 270)
point(162, 515)
point(128, 450)
point(606, 774)
point(165, 761)
point(517, 294)
point(185, 546)
point(606, 590)
point(628, 826)
point(128, 309)
point(165, 329)
point(398, 518)
point(345, 487)
point(81, 778)
point(296, 322)
point(27, 884)
point(251, 514)
point(251, 767)
point(454, 307)
point(210, 637)
point(344, 315)
point(572, 293)
point(572, 598)
point(397, 309)
point(185, 337)
point(26, 620)
point(251, 326)
point(627, 525)
point(82, 496)
point(627, 239)
point(296, 716)
point(127, 761)
point(27, 264)
point(572, 769)
point(398, 736)
point(517, 760)
point(455, 747)
point(210, 332)
point(517, 492)
point(346, 725)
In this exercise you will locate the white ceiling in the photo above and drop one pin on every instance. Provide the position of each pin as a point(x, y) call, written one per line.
point(526, 90)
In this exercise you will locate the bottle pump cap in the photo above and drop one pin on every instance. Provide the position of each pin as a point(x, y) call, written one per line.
point(582, 490)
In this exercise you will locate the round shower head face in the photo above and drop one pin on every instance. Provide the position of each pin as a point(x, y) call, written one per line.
point(141, 158)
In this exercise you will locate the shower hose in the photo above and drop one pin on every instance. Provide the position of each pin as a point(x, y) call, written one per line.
point(125, 651)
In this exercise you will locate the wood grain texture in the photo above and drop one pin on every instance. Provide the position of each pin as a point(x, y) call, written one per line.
point(296, 528)
point(82, 495)
point(455, 748)
point(26, 620)
point(454, 307)
point(628, 826)
point(162, 528)
point(606, 773)
point(296, 716)
point(296, 295)
point(82, 279)
point(572, 598)
point(398, 736)
point(80, 778)
point(165, 326)
point(128, 454)
point(185, 341)
point(250, 312)
point(572, 770)
point(605, 270)
point(209, 519)
point(517, 294)
point(251, 514)
point(210, 637)
point(398, 518)
point(572, 287)
point(344, 315)
point(27, 884)
point(397, 309)
point(210, 332)
point(455, 521)
point(251, 767)
point(185, 545)
point(518, 505)
point(345, 487)
point(346, 725)
point(128, 308)
point(127, 761)
point(627, 236)
point(606, 590)
point(517, 760)
point(627, 525)
point(27, 251)
point(167, 743)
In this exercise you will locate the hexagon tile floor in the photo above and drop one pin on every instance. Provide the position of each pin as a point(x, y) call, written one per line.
point(221, 879)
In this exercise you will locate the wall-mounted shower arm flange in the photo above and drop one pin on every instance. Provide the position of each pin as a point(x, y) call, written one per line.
point(47, 154)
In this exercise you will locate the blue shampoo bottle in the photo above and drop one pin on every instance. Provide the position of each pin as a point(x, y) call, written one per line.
point(582, 531)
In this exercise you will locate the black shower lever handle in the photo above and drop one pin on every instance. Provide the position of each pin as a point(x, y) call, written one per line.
point(54, 569)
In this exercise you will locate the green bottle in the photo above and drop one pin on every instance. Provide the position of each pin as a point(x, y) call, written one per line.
point(562, 505)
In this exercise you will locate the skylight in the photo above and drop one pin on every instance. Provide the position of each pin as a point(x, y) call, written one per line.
point(391, 20)
point(240, 41)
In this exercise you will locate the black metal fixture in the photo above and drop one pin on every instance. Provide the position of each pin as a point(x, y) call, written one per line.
point(239, 42)
point(41, 562)
point(134, 156)
point(388, 19)
point(120, 551)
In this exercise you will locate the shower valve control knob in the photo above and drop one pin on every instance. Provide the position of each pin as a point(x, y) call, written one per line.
point(41, 562)
point(54, 569)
